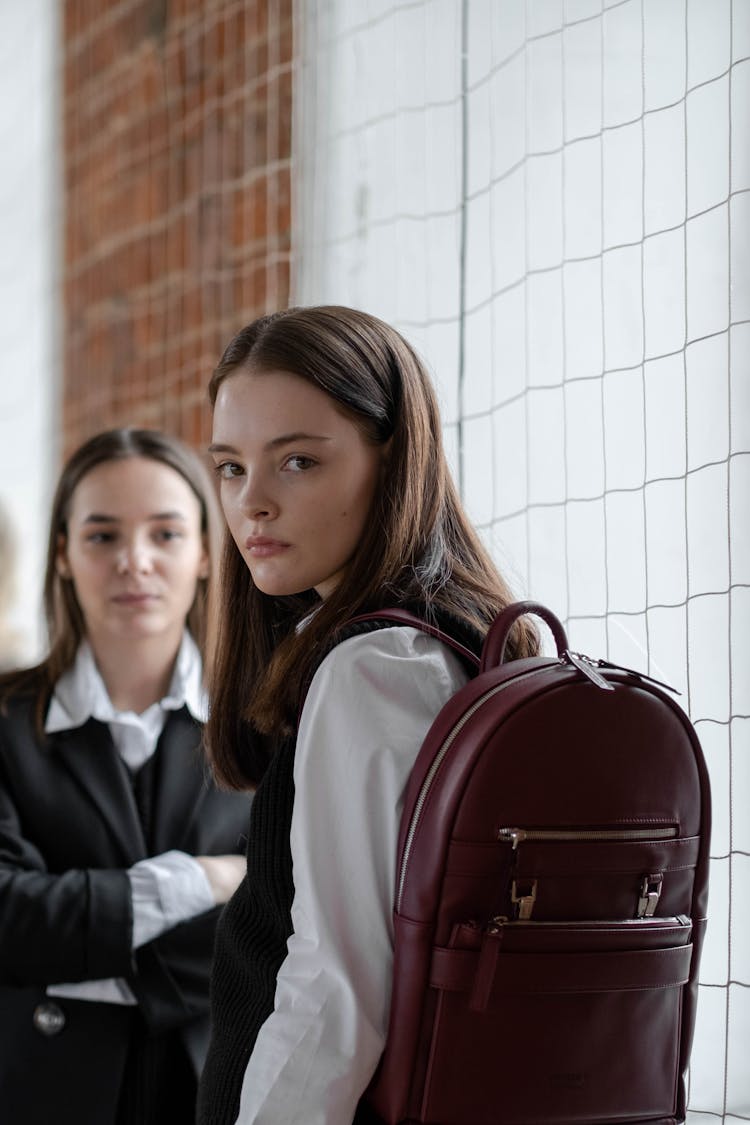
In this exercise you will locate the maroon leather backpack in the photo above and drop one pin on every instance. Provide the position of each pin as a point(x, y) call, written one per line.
point(551, 899)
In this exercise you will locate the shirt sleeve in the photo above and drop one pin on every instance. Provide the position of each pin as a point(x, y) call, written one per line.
point(369, 707)
point(167, 889)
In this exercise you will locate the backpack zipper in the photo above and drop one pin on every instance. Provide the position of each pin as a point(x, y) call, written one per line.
point(494, 924)
point(518, 835)
point(585, 665)
point(435, 766)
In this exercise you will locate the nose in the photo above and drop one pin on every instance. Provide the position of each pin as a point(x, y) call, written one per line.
point(256, 500)
point(134, 558)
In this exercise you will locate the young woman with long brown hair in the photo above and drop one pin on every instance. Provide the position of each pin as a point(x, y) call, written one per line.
point(115, 853)
point(327, 444)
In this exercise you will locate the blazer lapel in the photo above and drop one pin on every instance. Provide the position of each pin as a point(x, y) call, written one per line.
point(90, 755)
point(181, 780)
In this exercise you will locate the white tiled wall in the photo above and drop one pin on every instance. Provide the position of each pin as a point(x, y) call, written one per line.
point(30, 207)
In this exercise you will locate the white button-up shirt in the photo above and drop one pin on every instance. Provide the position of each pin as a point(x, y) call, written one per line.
point(369, 706)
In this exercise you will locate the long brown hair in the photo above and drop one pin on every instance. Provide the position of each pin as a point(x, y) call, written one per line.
point(64, 619)
point(419, 546)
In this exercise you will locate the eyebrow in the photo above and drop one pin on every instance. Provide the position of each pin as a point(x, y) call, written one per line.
point(282, 439)
point(101, 517)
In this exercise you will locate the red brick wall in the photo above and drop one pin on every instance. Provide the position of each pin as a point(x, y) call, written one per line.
point(177, 121)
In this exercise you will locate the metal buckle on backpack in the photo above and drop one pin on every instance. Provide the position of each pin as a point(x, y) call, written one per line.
point(524, 898)
point(650, 891)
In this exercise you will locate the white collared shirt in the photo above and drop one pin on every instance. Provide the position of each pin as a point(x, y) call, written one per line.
point(81, 694)
point(368, 709)
point(166, 889)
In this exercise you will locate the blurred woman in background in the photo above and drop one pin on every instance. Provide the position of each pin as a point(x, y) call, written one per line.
point(116, 853)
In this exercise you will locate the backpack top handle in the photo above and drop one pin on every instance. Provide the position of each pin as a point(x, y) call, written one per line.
point(496, 643)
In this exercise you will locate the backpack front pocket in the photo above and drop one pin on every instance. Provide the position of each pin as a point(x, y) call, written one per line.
point(583, 1015)
point(626, 872)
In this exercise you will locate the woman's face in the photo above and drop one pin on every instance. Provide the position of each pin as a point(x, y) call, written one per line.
point(133, 550)
point(297, 480)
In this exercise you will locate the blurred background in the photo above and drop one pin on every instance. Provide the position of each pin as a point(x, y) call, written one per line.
point(550, 198)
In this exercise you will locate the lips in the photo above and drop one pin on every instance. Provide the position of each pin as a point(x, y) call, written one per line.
point(140, 598)
point(261, 547)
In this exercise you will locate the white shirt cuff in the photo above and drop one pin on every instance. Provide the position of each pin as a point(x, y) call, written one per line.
point(167, 889)
point(114, 990)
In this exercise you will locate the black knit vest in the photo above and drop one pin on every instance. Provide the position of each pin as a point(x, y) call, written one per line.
point(256, 923)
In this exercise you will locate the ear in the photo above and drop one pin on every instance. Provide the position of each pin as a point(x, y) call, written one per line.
point(61, 557)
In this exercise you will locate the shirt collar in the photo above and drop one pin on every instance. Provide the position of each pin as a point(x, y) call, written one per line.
point(81, 694)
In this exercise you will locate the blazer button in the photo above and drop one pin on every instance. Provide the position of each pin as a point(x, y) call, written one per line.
point(49, 1019)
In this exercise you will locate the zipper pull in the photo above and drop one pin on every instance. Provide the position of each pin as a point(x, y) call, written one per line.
point(493, 925)
point(484, 978)
point(515, 835)
point(585, 665)
point(640, 675)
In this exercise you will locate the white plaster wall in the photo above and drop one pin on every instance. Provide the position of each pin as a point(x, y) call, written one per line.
point(30, 209)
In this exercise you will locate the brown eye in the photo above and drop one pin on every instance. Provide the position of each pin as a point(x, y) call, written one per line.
point(228, 469)
point(297, 463)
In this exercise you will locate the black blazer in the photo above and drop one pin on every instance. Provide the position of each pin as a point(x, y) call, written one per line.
point(69, 829)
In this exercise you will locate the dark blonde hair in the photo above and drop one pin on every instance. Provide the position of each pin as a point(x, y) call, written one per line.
point(64, 619)
point(418, 548)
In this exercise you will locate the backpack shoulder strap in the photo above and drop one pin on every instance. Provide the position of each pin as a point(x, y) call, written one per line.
point(405, 617)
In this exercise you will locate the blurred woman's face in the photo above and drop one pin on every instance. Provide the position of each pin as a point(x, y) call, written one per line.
point(133, 551)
